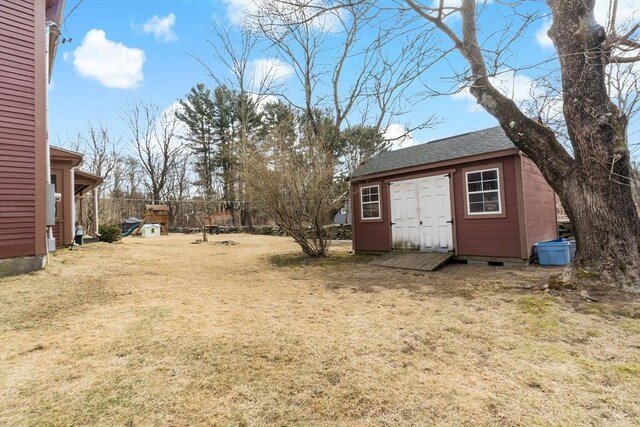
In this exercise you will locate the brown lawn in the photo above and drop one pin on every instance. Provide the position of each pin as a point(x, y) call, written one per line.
point(164, 332)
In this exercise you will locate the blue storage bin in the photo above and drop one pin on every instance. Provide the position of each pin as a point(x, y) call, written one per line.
point(555, 252)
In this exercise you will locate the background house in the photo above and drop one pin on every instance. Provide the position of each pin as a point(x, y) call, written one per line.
point(475, 195)
point(23, 133)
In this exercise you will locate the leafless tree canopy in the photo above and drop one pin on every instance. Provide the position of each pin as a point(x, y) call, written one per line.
point(153, 134)
point(289, 182)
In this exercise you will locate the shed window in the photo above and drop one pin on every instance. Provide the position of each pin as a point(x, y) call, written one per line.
point(370, 201)
point(483, 192)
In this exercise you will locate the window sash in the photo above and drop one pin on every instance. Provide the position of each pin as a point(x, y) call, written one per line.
point(370, 202)
point(486, 184)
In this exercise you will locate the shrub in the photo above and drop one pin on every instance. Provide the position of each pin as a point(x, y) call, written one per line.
point(109, 233)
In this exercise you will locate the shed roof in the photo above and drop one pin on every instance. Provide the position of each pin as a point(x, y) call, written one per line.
point(454, 147)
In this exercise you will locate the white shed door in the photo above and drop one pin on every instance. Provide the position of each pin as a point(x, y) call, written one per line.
point(436, 231)
point(421, 214)
point(405, 225)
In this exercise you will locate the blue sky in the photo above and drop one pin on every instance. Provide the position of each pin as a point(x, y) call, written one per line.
point(123, 50)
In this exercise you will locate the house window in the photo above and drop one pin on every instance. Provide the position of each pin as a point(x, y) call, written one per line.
point(483, 192)
point(370, 202)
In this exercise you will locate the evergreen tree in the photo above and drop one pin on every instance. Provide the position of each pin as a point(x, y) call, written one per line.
point(359, 144)
point(198, 114)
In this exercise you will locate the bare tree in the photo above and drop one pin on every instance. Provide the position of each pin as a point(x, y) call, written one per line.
point(154, 136)
point(353, 35)
point(100, 158)
point(100, 152)
point(250, 87)
point(289, 183)
point(199, 209)
point(353, 70)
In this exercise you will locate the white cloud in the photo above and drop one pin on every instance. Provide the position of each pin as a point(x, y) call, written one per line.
point(519, 89)
point(238, 10)
point(111, 63)
point(169, 114)
point(543, 39)
point(269, 70)
point(627, 11)
point(161, 28)
point(263, 100)
point(397, 134)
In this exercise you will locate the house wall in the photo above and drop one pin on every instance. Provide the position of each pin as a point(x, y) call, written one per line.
point(473, 236)
point(22, 128)
point(540, 206)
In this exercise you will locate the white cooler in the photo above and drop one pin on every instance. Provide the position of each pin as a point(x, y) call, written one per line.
point(151, 230)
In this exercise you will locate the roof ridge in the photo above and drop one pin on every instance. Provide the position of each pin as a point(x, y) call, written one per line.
point(462, 134)
point(456, 146)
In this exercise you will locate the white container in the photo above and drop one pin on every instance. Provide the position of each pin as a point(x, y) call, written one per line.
point(151, 230)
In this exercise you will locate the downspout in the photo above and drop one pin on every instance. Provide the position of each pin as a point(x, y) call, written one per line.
point(96, 221)
point(73, 205)
point(47, 37)
point(349, 214)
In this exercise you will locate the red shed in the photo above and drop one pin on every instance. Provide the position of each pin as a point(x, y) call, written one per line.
point(475, 195)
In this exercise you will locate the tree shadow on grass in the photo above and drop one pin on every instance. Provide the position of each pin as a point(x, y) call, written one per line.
point(299, 259)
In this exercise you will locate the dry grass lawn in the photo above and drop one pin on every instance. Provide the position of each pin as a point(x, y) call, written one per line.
point(164, 332)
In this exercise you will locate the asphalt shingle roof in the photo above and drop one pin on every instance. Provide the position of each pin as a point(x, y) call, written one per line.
point(468, 144)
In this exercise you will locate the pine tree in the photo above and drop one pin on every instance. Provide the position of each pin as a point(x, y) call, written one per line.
point(198, 113)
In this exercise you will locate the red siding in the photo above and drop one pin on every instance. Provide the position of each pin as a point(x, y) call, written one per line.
point(484, 237)
point(18, 127)
point(373, 235)
point(23, 125)
point(540, 207)
point(489, 237)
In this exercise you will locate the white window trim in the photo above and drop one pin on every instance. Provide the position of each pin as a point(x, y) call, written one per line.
point(468, 203)
point(362, 203)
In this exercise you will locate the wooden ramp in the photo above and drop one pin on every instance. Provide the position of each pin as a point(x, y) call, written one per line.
point(425, 261)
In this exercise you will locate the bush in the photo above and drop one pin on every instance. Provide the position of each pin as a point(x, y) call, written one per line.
point(109, 233)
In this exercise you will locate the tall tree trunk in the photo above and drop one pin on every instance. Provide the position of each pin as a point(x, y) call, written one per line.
point(605, 223)
point(597, 191)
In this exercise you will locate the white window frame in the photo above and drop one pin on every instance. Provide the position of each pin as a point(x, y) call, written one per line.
point(468, 193)
point(378, 202)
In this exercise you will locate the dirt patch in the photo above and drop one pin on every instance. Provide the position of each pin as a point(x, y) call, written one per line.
point(162, 332)
point(600, 300)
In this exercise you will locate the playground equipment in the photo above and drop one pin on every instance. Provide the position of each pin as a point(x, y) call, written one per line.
point(130, 225)
point(157, 214)
point(154, 215)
